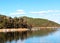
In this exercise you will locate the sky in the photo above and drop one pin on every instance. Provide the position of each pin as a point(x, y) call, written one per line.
point(46, 9)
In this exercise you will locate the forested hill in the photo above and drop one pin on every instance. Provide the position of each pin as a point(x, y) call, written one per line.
point(18, 22)
point(41, 22)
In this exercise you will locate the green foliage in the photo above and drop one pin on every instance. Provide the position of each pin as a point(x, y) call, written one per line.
point(19, 22)
point(39, 22)
point(9, 22)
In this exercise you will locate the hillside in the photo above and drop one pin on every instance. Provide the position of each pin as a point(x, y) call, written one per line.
point(41, 22)
point(21, 22)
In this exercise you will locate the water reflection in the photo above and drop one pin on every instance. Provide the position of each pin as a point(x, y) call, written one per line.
point(15, 36)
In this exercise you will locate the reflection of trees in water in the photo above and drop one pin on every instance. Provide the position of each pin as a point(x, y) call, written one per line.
point(41, 33)
point(13, 36)
point(1, 40)
point(4, 37)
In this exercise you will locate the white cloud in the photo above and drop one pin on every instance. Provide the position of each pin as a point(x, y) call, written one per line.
point(45, 12)
point(53, 11)
point(41, 12)
point(18, 12)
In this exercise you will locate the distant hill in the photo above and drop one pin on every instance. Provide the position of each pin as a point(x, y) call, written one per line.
point(41, 22)
point(18, 22)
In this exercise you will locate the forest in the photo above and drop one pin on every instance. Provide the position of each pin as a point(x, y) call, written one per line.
point(9, 22)
point(25, 22)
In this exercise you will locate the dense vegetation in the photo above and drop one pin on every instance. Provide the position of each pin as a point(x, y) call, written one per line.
point(39, 22)
point(21, 22)
point(9, 22)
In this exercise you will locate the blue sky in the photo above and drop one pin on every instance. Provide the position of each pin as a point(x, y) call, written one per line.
point(47, 9)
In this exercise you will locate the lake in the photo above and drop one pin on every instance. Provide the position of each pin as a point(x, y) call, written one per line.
point(40, 36)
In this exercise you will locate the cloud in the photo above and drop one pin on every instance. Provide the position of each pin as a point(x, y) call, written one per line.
point(45, 12)
point(41, 12)
point(53, 11)
point(18, 12)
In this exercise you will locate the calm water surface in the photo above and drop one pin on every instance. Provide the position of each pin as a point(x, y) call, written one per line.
point(41, 36)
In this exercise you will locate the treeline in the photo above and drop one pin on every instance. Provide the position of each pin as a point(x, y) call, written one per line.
point(39, 22)
point(9, 22)
point(25, 22)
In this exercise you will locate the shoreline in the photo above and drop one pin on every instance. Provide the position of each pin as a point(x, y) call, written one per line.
point(48, 27)
point(24, 29)
point(14, 30)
